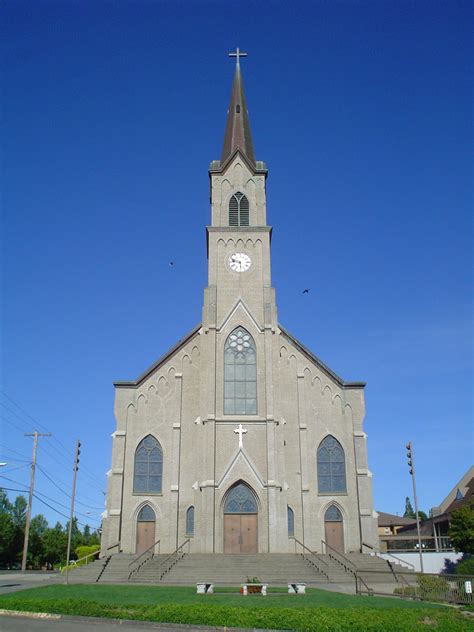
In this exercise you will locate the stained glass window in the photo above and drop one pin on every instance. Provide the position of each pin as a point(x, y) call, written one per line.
point(331, 467)
point(147, 477)
point(146, 514)
point(240, 374)
point(190, 521)
point(240, 500)
point(332, 514)
point(291, 522)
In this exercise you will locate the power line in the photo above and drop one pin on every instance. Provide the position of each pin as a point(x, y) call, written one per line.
point(35, 494)
point(65, 492)
point(12, 423)
point(18, 467)
point(6, 447)
point(85, 470)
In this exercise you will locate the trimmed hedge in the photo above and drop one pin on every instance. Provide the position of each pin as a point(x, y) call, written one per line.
point(319, 619)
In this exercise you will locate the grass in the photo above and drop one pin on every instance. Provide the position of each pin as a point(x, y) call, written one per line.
point(317, 611)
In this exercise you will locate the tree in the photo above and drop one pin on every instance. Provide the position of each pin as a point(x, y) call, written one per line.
point(36, 549)
point(461, 529)
point(8, 540)
point(5, 504)
point(55, 543)
point(19, 512)
point(409, 511)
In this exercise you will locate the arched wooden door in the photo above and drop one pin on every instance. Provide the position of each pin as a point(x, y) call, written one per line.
point(146, 529)
point(240, 521)
point(334, 528)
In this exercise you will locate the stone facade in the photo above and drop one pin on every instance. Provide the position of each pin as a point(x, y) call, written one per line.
point(180, 402)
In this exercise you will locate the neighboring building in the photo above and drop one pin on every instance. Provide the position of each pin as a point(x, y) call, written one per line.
point(389, 524)
point(239, 438)
point(434, 531)
point(461, 491)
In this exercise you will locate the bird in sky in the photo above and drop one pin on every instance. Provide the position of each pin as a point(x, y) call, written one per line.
point(306, 291)
point(171, 264)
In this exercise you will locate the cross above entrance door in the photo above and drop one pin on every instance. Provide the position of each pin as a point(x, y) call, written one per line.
point(240, 431)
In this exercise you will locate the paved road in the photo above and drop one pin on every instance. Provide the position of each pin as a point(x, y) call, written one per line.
point(10, 581)
point(20, 624)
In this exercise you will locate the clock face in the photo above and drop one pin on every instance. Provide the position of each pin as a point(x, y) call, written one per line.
point(239, 262)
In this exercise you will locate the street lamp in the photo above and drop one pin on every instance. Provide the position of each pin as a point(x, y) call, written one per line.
point(411, 467)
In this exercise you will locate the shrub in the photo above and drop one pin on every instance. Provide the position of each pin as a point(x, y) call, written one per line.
point(82, 551)
point(465, 566)
point(432, 587)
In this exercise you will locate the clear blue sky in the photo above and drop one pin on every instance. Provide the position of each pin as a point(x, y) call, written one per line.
point(112, 112)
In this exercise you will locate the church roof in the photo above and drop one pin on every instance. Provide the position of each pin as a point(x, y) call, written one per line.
point(193, 332)
point(160, 361)
point(237, 131)
point(309, 354)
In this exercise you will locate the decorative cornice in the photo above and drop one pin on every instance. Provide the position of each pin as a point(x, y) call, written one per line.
point(310, 355)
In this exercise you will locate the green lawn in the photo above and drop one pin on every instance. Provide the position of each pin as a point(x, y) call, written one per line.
point(316, 611)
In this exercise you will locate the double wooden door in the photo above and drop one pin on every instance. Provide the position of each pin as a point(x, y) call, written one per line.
point(240, 533)
point(145, 536)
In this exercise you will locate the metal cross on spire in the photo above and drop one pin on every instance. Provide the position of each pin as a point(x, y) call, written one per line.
point(237, 55)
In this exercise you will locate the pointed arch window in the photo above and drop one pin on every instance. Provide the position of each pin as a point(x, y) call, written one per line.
point(291, 522)
point(332, 514)
point(190, 521)
point(331, 466)
point(146, 514)
point(240, 374)
point(240, 500)
point(238, 210)
point(148, 469)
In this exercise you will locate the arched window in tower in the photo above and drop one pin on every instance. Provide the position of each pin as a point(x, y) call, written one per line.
point(190, 521)
point(238, 210)
point(331, 467)
point(148, 471)
point(291, 522)
point(240, 374)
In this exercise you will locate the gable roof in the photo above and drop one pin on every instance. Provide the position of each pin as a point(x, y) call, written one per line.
point(310, 355)
point(193, 332)
point(392, 520)
point(160, 361)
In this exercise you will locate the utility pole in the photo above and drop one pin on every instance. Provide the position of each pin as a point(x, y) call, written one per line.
point(412, 473)
point(35, 436)
point(75, 468)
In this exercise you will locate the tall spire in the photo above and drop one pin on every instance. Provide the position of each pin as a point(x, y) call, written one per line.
point(237, 131)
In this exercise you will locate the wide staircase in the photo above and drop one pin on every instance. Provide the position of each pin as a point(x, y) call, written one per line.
point(276, 569)
point(232, 570)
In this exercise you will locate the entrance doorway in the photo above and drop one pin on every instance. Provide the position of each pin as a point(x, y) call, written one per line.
point(334, 528)
point(146, 526)
point(240, 521)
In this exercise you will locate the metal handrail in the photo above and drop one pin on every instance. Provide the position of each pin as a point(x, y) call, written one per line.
point(112, 546)
point(151, 552)
point(314, 560)
point(74, 563)
point(172, 559)
point(348, 567)
point(346, 563)
point(378, 552)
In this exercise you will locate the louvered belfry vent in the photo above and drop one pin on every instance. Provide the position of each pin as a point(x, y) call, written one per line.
point(238, 210)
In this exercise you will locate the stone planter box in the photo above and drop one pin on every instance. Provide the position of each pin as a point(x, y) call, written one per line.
point(297, 589)
point(249, 589)
point(204, 588)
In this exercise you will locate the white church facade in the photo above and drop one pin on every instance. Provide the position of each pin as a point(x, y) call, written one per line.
point(239, 438)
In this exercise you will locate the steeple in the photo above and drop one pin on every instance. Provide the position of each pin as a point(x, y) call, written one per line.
point(237, 131)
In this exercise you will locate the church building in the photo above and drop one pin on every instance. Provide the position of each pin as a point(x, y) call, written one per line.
point(239, 438)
